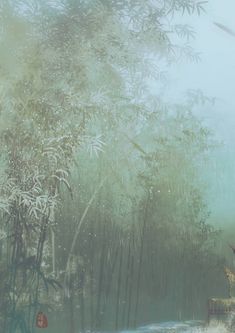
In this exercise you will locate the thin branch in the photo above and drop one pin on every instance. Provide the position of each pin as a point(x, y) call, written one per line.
point(79, 225)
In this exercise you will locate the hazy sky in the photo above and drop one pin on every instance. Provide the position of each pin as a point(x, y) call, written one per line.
point(215, 76)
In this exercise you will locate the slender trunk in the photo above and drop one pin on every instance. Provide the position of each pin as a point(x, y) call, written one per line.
point(119, 288)
point(79, 225)
point(131, 279)
point(53, 251)
point(101, 280)
point(92, 239)
point(126, 283)
point(52, 220)
point(71, 314)
point(110, 278)
point(140, 263)
point(82, 299)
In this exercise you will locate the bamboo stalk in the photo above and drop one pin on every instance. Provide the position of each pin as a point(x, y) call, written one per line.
point(92, 277)
point(101, 280)
point(119, 287)
point(79, 225)
point(53, 251)
point(140, 262)
point(126, 282)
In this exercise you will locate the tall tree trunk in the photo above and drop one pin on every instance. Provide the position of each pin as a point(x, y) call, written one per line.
point(119, 287)
point(92, 240)
point(82, 298)
point(114, 256)
point(101, 280)
point(79, 225)
point(53, 251)
point(140, 262)
point(124, 312)
point(71, 314)
point(131, 280)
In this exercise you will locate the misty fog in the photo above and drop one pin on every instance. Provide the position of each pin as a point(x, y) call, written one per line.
point(117, 164)
point(214, 74)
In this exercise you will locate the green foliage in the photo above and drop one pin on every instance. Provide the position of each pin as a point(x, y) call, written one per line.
point(75, 111)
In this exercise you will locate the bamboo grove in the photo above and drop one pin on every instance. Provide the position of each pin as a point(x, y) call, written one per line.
point(103, 219)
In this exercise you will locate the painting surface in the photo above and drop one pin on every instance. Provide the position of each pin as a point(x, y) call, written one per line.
point(117, 168)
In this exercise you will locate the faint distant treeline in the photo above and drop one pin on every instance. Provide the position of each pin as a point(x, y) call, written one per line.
point(103, 219)
point(136, 263)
